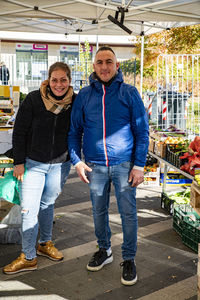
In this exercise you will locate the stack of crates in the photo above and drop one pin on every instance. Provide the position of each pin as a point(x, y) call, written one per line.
point(167, 203)
point(186, 222)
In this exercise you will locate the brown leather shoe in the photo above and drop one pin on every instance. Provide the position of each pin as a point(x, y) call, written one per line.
point(49, 251)
point(20, 264)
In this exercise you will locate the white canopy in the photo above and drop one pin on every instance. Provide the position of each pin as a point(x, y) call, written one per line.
point(97, 16)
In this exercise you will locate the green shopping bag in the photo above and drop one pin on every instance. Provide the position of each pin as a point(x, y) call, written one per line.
point(9, 188)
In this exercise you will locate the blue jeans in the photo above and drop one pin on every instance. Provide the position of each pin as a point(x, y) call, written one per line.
point(100, 182)
point(41, 186)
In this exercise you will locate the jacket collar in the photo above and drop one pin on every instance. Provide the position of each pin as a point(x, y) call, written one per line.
point(94, 81)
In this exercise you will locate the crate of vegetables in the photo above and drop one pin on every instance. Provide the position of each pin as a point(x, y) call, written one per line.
point(168, 200)
point(175, 151)
point(192, 156)
point(151, 175)
point(191, 231)
point(167, 203)
point(186, 222)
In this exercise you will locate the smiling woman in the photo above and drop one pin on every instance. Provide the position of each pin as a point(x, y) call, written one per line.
point(59, 78)
point(40, 146)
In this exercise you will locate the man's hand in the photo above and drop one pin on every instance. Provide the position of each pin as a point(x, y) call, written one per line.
point(136, 177)
point(18, 172)
point(81, 169)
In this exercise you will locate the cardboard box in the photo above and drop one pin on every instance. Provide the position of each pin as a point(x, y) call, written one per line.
point(178, 181)
point(151, 144)
point(4, 91)
point(160, 149)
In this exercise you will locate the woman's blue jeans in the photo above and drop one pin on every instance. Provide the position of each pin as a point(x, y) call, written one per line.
point(41, 186)
point(100, 182)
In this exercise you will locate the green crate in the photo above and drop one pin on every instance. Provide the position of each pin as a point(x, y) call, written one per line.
point(191, 232)
point(177, 225)
point(167, 203)
point(183, 211)
point(179, 213)
point(190, 241)
point(186, 222)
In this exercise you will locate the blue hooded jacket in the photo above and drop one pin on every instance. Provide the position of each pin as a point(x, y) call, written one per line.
point(110, 123)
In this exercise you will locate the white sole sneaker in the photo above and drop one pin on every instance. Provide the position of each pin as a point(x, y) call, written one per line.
point(21, 270)
point(97, 268)
point(49, 257)
point(125, 282)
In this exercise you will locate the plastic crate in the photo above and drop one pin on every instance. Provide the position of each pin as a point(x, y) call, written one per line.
point(189, 241)
point(179, 213)
point(173, 157)
point(191, 234)
point(151, 178)
point(183, 211)
point(177, 225)
point(186, 222)
point(167, 203)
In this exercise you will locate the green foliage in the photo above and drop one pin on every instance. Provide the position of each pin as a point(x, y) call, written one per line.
point(130, 66)
point(183, 40)
point(85, 64)
point(194, 108)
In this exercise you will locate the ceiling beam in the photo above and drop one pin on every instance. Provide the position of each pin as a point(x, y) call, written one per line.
point(7, 13)
point(150, 4)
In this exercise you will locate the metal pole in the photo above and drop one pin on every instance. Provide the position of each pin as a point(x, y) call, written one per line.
point(134, 71)
point(97, 42)
point(79, 43)
point(141, 63)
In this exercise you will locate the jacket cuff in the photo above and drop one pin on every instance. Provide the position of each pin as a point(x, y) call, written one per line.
point(78, 163)
point(138, 168)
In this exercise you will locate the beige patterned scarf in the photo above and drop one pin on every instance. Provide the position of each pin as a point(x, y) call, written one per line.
point(55, 106)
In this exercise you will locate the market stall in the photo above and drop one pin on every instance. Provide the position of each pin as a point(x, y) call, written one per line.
point(173, 149)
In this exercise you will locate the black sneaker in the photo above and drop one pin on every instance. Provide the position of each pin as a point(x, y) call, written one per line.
point(99, 259)
point(129, 275)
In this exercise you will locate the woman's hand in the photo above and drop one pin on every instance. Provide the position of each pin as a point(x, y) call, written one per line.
point(18, 172)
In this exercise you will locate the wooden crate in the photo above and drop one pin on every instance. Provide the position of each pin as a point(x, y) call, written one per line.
point(195, 197)
point(151, 144)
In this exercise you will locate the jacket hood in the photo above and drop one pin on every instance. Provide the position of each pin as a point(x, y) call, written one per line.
point(94, 81)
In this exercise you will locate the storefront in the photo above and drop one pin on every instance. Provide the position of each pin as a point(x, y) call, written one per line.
point(31, 61)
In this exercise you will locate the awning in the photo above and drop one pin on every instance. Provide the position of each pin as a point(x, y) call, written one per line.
point(101, 17)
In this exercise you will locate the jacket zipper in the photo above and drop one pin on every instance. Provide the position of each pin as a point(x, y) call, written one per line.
point(53, 138)
point(104, 124)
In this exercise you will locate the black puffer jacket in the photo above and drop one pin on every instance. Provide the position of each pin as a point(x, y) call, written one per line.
point(39, 134)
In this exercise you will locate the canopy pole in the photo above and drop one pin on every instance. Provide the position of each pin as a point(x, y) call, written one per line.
point(141, 60)
point(97, 42)
point(79, 47)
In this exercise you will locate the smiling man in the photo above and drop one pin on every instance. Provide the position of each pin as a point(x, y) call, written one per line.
point(105, 65)
point(110, 117)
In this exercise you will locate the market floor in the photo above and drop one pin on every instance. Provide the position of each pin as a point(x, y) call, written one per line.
point(166, 268)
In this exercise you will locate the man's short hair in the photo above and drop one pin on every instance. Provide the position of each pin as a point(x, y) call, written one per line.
point(105, 48)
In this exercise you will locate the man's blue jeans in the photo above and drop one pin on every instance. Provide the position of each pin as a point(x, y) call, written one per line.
point(100, 182)
point(41, 186)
